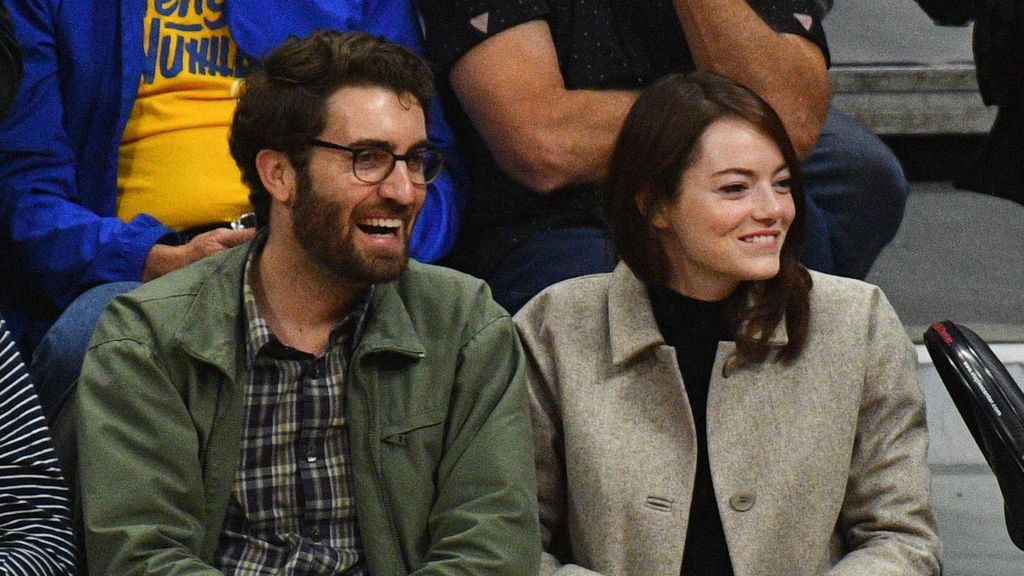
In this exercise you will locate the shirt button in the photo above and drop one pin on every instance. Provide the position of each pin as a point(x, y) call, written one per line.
point(310, 455)
point(315, 534)
point(742, 502)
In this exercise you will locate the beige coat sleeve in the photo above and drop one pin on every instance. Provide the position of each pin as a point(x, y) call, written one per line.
point(886, 516)
point(548, 447)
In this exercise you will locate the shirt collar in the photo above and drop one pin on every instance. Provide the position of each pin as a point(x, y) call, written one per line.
point(260, 337)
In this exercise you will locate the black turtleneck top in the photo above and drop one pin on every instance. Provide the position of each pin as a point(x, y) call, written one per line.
point(694, 328)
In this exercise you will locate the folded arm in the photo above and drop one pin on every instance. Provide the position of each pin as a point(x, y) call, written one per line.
point(541, 134)
point(788, 71)
point(547, 136)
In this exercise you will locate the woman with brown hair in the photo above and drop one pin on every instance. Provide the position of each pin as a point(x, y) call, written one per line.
point(711, 407)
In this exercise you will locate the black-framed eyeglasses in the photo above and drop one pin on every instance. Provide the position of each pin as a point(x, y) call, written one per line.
point(372, 164)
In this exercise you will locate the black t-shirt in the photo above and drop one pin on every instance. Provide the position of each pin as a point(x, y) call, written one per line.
point(694, 328)
point(601, 44)
point(10, 62)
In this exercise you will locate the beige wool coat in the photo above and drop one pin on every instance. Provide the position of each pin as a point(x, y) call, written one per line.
point(818, 467)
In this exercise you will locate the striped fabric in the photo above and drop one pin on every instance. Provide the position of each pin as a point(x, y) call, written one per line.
point(35, 532)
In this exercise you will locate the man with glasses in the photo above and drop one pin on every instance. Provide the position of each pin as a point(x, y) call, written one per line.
point(114, 164)
point(312, 402)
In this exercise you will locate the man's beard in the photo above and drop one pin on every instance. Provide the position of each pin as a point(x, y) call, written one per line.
point(318, 225)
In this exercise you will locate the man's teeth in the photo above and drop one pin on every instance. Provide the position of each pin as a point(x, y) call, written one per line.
point(381, 226)
point(383, 222)
point(760, 239)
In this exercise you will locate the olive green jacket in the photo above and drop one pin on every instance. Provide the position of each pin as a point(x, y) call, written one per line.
point(439, 430)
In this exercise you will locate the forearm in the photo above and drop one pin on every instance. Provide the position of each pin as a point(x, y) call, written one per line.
point(788, 71)
point(133, 524)
point(541, 134)
point(484, 516)
point(545, 417)
point(66, 249)
point(570, 141)
point(57, 215)
point(886, 519)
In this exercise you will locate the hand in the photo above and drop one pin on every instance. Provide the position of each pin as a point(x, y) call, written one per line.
point(163, 259)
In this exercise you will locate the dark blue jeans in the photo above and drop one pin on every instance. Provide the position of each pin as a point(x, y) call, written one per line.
point(856, 187)
point(57, 360)
point(855, 196)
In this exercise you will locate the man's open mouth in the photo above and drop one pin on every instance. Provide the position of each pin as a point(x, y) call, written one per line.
point(381, 226)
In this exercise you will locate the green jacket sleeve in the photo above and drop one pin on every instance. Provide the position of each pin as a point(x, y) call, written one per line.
point(139, 468)
point(484, 518)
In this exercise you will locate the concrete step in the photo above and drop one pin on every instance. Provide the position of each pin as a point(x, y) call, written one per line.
point(957, 256)
point(877, 32)
point(912, 99)
point(900, 74)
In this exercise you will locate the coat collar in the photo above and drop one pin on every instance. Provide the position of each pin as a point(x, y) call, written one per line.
point(631, 318)
point(212, 329)
point(389, 326)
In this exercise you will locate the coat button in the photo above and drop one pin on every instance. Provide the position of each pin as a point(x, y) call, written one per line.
point(742, 502)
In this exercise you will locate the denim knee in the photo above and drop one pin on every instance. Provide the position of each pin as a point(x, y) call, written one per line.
point(860, 187)
point(547, 258)
point(57, 359)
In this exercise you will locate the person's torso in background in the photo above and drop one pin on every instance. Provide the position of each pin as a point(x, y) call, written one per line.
point(174, 162)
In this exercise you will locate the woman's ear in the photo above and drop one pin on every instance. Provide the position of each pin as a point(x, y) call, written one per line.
point(277, 174)
point(651, 209)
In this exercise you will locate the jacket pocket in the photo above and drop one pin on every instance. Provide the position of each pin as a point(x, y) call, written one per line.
point(397, 433)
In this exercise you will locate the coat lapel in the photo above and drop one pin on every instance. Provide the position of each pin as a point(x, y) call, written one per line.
point(630, 318)
point(389, 327)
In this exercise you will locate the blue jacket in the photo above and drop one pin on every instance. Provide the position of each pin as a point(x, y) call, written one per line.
point(59, 234)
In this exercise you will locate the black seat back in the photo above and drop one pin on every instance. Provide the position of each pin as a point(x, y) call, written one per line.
point(991, 404)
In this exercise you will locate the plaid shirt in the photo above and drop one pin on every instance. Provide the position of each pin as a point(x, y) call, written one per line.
point(292, 510)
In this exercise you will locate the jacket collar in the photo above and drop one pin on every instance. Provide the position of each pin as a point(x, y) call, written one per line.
point(389, 326)
point(212, 330)
point(631, 318)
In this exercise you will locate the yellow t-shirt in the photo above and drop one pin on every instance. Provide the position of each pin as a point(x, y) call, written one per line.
point(174, 162)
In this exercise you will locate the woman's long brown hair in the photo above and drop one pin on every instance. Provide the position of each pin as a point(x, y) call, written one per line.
point(658, 142)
